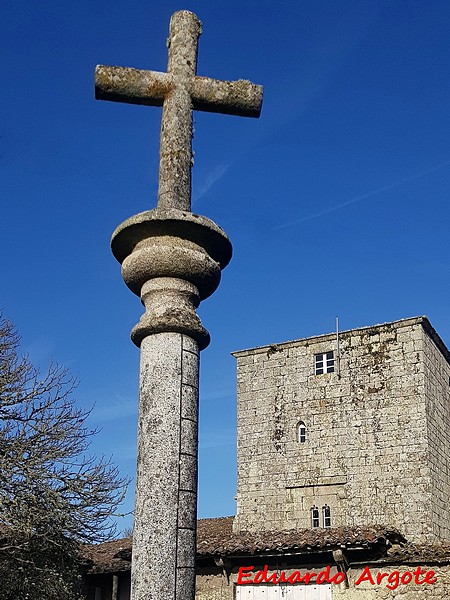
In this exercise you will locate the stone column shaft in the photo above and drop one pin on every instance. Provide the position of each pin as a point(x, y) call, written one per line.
point(164, 538)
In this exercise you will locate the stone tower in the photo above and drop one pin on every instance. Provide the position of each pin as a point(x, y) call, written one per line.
point(355, 437)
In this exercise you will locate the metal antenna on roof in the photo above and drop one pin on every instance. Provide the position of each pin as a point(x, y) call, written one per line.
point(338, 350)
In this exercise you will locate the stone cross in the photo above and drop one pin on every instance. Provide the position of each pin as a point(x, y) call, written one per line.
point(179, 91)
point(172, 259)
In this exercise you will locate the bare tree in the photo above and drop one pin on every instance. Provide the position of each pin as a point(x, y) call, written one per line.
point(53, 495)
point(128, 532)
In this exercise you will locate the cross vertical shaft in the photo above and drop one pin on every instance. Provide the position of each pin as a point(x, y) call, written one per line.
point(175, 152)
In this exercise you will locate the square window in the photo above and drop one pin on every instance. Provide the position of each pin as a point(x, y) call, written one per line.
point(324, 363)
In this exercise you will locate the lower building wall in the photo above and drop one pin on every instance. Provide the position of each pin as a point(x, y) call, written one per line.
point(213, 585)
point(100, 586)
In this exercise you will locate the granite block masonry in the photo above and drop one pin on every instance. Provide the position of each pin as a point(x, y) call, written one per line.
point(366, 435)
point(172, 259)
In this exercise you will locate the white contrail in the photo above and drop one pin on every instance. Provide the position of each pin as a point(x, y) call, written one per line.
point(212, 178)
point(381, 190)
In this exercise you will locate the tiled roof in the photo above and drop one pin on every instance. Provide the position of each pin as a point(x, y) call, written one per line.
point(216, 537)
point(104, 558)
point(419, 554)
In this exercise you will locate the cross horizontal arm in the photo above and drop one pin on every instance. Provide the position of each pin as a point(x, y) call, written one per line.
point(133, 86)
point(241, 97)
point(137, 86)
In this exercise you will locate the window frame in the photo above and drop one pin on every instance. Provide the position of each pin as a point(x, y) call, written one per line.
point(315, 520)
point(301, 432)
point(324, 362)
point(326, 516)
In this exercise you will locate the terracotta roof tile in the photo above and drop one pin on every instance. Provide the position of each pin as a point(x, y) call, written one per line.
point(216, 537)
point(419, 553)
point(104, 557)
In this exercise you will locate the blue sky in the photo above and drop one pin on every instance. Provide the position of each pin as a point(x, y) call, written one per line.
point(336, 200)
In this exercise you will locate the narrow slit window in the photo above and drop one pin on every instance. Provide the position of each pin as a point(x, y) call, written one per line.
point(314, 516)
point(326, 515)
point(324, 363)
point(301, 432)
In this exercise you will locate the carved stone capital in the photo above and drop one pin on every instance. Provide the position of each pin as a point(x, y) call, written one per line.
point(170, 307)
point(172, 259)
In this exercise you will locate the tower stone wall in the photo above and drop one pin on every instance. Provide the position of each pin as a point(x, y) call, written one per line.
point(376, 432)
point(437, 398)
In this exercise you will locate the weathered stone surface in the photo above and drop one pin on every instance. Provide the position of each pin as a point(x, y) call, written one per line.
point(175, 223)
point(179, 91)
point(169, 247)
point(170, 306)
point(377, 447)
point(165, 514)
point(149, 88)
point(132, 86)
point(170, 257)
